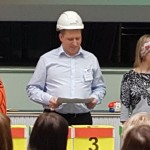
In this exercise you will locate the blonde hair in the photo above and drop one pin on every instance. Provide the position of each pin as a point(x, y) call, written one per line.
point(141, 118)
point(138, 59)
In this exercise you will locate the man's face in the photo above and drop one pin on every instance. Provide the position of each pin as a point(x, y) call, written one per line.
point(71, 41)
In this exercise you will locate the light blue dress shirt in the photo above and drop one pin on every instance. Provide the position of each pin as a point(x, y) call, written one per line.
point(60, 75)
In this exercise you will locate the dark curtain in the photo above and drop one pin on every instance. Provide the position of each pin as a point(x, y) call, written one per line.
point(101, 39)
point(22, 43)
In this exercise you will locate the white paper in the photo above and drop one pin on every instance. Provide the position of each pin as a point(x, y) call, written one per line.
point(74, 100)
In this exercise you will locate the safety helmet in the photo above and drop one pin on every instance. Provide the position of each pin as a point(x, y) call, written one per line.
point(69, 20)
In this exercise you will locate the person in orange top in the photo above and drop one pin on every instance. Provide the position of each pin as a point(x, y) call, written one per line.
point(2, 99)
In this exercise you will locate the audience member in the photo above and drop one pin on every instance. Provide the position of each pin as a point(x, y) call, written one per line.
point(50, 132)
point(137, 138)
point(5, 133)
point(140, 118)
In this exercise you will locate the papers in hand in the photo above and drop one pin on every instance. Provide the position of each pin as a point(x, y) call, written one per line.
point(74, 100)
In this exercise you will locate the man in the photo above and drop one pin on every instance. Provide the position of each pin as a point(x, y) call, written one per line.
point(68, 72)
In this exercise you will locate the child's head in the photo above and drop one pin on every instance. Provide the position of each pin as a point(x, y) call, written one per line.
point(141, 118)
point(138, 138)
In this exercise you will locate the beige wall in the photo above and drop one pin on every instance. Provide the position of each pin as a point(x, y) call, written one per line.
point(90, 10)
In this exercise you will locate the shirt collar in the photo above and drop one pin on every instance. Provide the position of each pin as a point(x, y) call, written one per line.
point(61, 51)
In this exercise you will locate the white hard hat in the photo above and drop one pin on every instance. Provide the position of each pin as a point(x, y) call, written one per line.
point(69, 20)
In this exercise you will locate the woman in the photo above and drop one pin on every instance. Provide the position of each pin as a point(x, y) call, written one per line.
point(49, 132)
point(135, 85)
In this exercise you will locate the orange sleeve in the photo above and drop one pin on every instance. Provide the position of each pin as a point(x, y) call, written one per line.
point(2, 100)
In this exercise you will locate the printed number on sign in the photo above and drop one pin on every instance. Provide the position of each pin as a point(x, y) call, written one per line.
point(94, 143)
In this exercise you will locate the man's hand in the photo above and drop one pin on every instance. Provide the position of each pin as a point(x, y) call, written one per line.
point(91, 104)
point(53, 104)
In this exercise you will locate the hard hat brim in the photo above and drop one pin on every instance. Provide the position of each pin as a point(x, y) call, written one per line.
point(58, 28)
